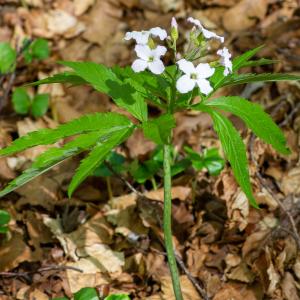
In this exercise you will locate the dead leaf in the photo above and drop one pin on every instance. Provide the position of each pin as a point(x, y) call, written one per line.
point(80, 7)
point(289, 287)
point(244, 14)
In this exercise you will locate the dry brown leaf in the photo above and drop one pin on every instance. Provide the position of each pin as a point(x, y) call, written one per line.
point(253, 242)
point(244, 14)
point(241, 273)
point(80, 7)
point(289, 288)
point(188, 290)
point(15, 251)
point(37, 295)
point(290, 182)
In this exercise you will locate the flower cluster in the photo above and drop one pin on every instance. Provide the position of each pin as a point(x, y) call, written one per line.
point(149, 55)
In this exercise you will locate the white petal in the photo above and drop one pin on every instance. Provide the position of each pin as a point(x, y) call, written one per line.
point(186, 66)
point(212, 35)
point(143, 51)
point(174, 23)
point(204, 86)
point(195, 22)
point(156, 66)
point(159, 51)
point(185, 84)
point(204, 71)
point(157, 31)
point(141, 37)
point(139, 65)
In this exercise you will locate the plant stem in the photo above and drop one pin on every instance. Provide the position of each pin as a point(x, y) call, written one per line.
point(167, 224)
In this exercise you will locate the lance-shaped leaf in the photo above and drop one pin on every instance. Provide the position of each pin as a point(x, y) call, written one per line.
point(65, 77)
point(234, 150)
point(105, 80)
point(255, 118)
point(50, 158)
point(97, 155)
point(265, 77)
point(103, 123)
point(159, 129)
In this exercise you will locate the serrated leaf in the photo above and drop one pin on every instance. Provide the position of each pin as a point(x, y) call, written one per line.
point(255, 118)
point(235, 152)
point(7, 58)
point(65, 77)
point(104, 80)
point(259, 62)
point(40, 105)
point(21, 101)
point(159, 129)
point(265, 77)
point(86, 294)
point(115, 160)
point(4, 217)
point(117, 297)
point(97, 155)
point(103, 123)
point(50, 158)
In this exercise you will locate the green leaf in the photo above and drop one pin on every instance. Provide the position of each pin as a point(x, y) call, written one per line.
point(117, 297)
point(235, 152)
point(159, 129)
point(4, 217)
point(86, 294)
point(259, 62)
point(116, 161)
point(8, 57)
point(103, 123)
point(265, 77)
point(241, 60)
point(146, 170)
point(40, 48)
point(97, 155)
point(61, 298)
point(21, 101)
point(255, 118)
point(105, 80)
point(180, 166)
point(50, 158)
point(40, 105)
point(65, 77)
point(213, 162)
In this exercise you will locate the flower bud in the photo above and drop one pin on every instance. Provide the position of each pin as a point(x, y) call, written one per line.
point(174, 30)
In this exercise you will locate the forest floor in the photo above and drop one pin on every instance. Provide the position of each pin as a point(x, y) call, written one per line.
point(111, 238)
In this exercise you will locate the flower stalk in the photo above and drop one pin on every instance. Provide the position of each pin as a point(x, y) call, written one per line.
point(167, 223)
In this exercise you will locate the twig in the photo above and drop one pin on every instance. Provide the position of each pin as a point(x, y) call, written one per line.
point(40, 270)
point(280, 204)
point(290, 115)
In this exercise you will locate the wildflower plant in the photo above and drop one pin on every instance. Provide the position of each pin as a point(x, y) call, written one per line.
point(183, 85)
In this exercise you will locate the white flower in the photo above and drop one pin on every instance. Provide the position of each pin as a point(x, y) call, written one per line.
point(142, 37)
point(225, 60)
point(194, 76)
point(206, 33)
point(149, 58)
point(174, 23)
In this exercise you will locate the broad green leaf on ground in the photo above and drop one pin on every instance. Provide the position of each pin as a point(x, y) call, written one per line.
point(50, 158)
point(38, 49)
point(21, 101)
point(105, 80)
point(265, 77)
point(117, 297)
point(255, 118)
point(7, 58)
point(4, 217)
point(86, 294)
point(144, 171)
point(103, 123)
point(234, 150)
point(65, 77)
point(40, 105)
point(159, 129)
point(97, 155)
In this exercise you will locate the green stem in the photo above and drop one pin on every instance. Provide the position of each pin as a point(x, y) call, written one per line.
point(167, 224)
